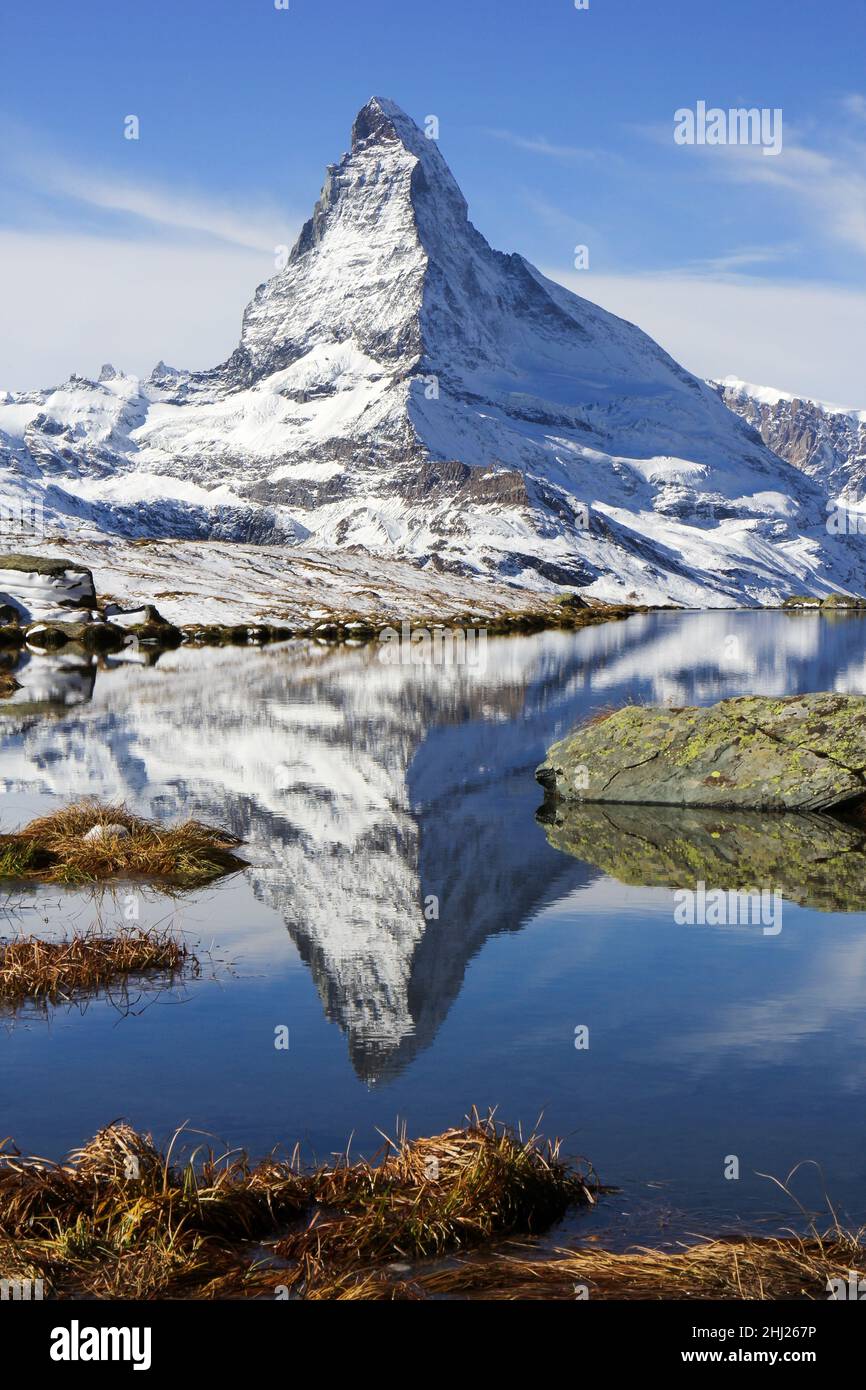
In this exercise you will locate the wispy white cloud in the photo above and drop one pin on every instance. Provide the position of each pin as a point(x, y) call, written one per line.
point(72, 302)
point(539, 144)
point(661, 133)
point(96, 268)
point(855, 105)
point(830, 189)
point(45, 186)
point(808, 338)
point(555, 218)
point(734, 262)
point(257, 228)
point(825, 178)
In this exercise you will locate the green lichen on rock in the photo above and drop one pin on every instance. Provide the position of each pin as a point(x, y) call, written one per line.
point(802, 601)
point(805, 752)
point(842, 601)
point(828, 603)
point(814, 860)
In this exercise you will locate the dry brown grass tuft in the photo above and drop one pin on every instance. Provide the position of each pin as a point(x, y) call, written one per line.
point(120, 1220)
point(429, 1196)
point(373, 1286)
point(53, 848)
point(116, 1153)
point(52, 971)
point(791, 1267)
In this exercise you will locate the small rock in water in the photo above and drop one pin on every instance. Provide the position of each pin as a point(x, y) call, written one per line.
point(104, 832)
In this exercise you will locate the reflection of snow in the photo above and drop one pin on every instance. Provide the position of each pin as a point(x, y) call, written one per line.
point(361, 788)
point(58, 678)
point(305, 751)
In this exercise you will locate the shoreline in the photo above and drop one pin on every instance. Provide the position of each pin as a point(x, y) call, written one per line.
point(163, 593)
point(338, 628)
point(455, 1215)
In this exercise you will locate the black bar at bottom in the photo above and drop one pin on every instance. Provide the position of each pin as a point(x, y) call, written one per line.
point(196, 1338)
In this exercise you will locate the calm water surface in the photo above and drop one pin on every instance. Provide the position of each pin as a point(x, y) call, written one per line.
point(367, 791)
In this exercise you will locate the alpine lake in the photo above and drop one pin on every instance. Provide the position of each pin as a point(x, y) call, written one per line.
point(413, 937)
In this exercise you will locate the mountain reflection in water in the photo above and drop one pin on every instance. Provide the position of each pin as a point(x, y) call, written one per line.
point(390, 819)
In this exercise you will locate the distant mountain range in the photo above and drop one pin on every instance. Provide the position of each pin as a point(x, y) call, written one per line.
point(827, 442)
point(402, 387)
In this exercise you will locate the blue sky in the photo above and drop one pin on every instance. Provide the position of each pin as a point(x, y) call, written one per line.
point(557, 123)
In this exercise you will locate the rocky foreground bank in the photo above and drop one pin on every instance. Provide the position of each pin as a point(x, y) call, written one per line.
point(48, 602)
point(165, 593)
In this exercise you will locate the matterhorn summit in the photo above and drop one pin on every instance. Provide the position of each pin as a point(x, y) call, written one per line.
point(402, 387)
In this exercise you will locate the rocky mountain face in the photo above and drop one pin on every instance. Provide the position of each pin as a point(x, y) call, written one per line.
point(402, 387)
point(826, 442)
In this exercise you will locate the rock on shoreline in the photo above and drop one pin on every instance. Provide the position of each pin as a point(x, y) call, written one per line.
point(42, 589)
point(48, 602)
point(268, 593)
point(804, 752)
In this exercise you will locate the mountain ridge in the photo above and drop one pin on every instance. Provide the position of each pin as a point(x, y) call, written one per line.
point(826, 442)
point(401, 386)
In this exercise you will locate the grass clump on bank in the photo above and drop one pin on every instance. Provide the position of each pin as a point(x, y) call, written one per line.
point(8, 684)
point(427, 1197)
point(119, 1219)
point(790, 1267)
point(89, 841)
point(53, 971)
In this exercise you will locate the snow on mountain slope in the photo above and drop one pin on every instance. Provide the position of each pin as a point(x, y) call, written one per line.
point(401, 386)
point(827, 442)
point(210, 582)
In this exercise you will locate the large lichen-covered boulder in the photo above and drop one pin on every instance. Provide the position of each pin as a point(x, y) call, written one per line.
point(836, 601)
point(805, 752)
point(815, 860)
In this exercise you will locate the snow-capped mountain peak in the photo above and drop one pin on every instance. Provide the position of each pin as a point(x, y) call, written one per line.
point(402, 386)
point(356, 272)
